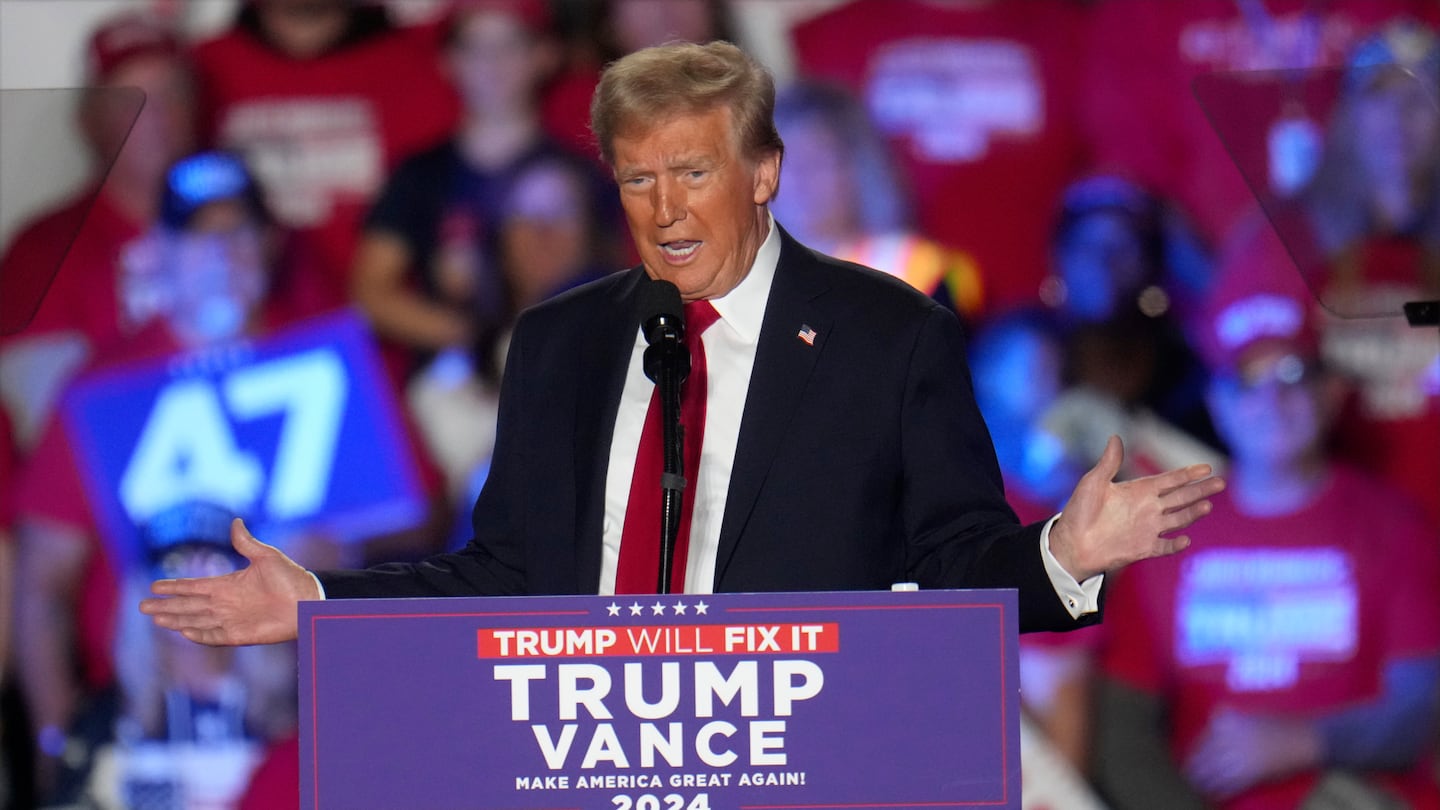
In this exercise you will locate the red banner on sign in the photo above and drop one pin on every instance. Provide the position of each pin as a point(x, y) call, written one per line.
point(669, 640)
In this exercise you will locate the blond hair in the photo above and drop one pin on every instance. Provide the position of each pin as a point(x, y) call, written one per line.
point(656, 84)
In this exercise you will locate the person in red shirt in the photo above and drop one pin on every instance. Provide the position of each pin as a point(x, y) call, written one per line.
point(844, 197)
point(1374, 212)
point(69, 258)
point(1365, 237)
point(976, 99)
point(1289, 658)
point(323, 99)
point(212, 228)
point(603, 30)
point(1140, 110)
point(209, 270)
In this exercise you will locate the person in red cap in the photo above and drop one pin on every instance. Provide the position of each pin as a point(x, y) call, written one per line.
point(82, 313)
point(1290, 659)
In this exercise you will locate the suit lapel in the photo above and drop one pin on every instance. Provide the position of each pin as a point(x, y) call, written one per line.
point(604, 360)
point(783, 362)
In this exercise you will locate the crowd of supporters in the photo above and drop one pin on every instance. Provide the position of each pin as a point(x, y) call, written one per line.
point(1156, 219)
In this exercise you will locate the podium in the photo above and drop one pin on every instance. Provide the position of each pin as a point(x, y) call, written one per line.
point(678, 702)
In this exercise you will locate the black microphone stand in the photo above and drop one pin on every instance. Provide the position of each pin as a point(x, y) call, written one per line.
point(667, 362)
point(672, 478)
point(1421, 314)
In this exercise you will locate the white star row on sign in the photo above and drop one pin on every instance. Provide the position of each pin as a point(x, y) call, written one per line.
point(657, 609)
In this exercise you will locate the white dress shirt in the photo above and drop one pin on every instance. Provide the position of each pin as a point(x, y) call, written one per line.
point(730, 346)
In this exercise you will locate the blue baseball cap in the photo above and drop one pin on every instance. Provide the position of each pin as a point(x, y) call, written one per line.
point(204, 178)
point(184, 532)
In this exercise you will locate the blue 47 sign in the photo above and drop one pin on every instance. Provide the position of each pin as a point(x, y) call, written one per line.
point(298, 431)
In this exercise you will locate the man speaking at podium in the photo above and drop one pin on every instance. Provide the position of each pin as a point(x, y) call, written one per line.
point(834, 442)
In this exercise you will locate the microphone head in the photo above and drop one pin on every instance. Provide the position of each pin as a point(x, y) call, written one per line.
point(660, 306)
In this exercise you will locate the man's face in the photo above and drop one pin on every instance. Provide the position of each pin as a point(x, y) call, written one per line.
point(1398, 130)
point(1273, 410)
point(496, 63)
point(144, 146)
point(821, 202)
point(546, 233)
point(694, 203)
point(219, 272)
point(1102, 263)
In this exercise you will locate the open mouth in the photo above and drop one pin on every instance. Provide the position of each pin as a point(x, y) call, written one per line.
point(680, 248)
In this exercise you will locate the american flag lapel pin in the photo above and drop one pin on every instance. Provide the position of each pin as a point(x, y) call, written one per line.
point(807, 334)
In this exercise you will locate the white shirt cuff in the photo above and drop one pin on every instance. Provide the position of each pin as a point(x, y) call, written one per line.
point(321, 588)
point(1079, 597)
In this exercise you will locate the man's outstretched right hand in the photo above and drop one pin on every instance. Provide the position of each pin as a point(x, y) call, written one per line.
point(255, 605)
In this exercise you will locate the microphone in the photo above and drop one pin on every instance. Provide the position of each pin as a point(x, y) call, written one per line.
point(662, 319)
point(667, 364)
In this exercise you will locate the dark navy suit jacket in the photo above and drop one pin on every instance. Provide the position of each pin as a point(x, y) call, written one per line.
point(862, 459)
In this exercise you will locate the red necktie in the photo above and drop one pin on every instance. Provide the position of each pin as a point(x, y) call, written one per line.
point(639, 563)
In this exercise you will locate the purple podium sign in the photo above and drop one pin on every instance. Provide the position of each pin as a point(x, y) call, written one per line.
point(681, 702)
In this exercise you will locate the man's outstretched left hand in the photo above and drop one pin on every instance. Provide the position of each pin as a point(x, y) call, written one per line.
point(1108, 525)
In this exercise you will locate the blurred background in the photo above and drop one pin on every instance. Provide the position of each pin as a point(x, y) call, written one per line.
point(261, 259)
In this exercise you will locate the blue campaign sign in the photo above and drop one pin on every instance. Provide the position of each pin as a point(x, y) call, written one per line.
point(297, 431)
point(780, 701)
